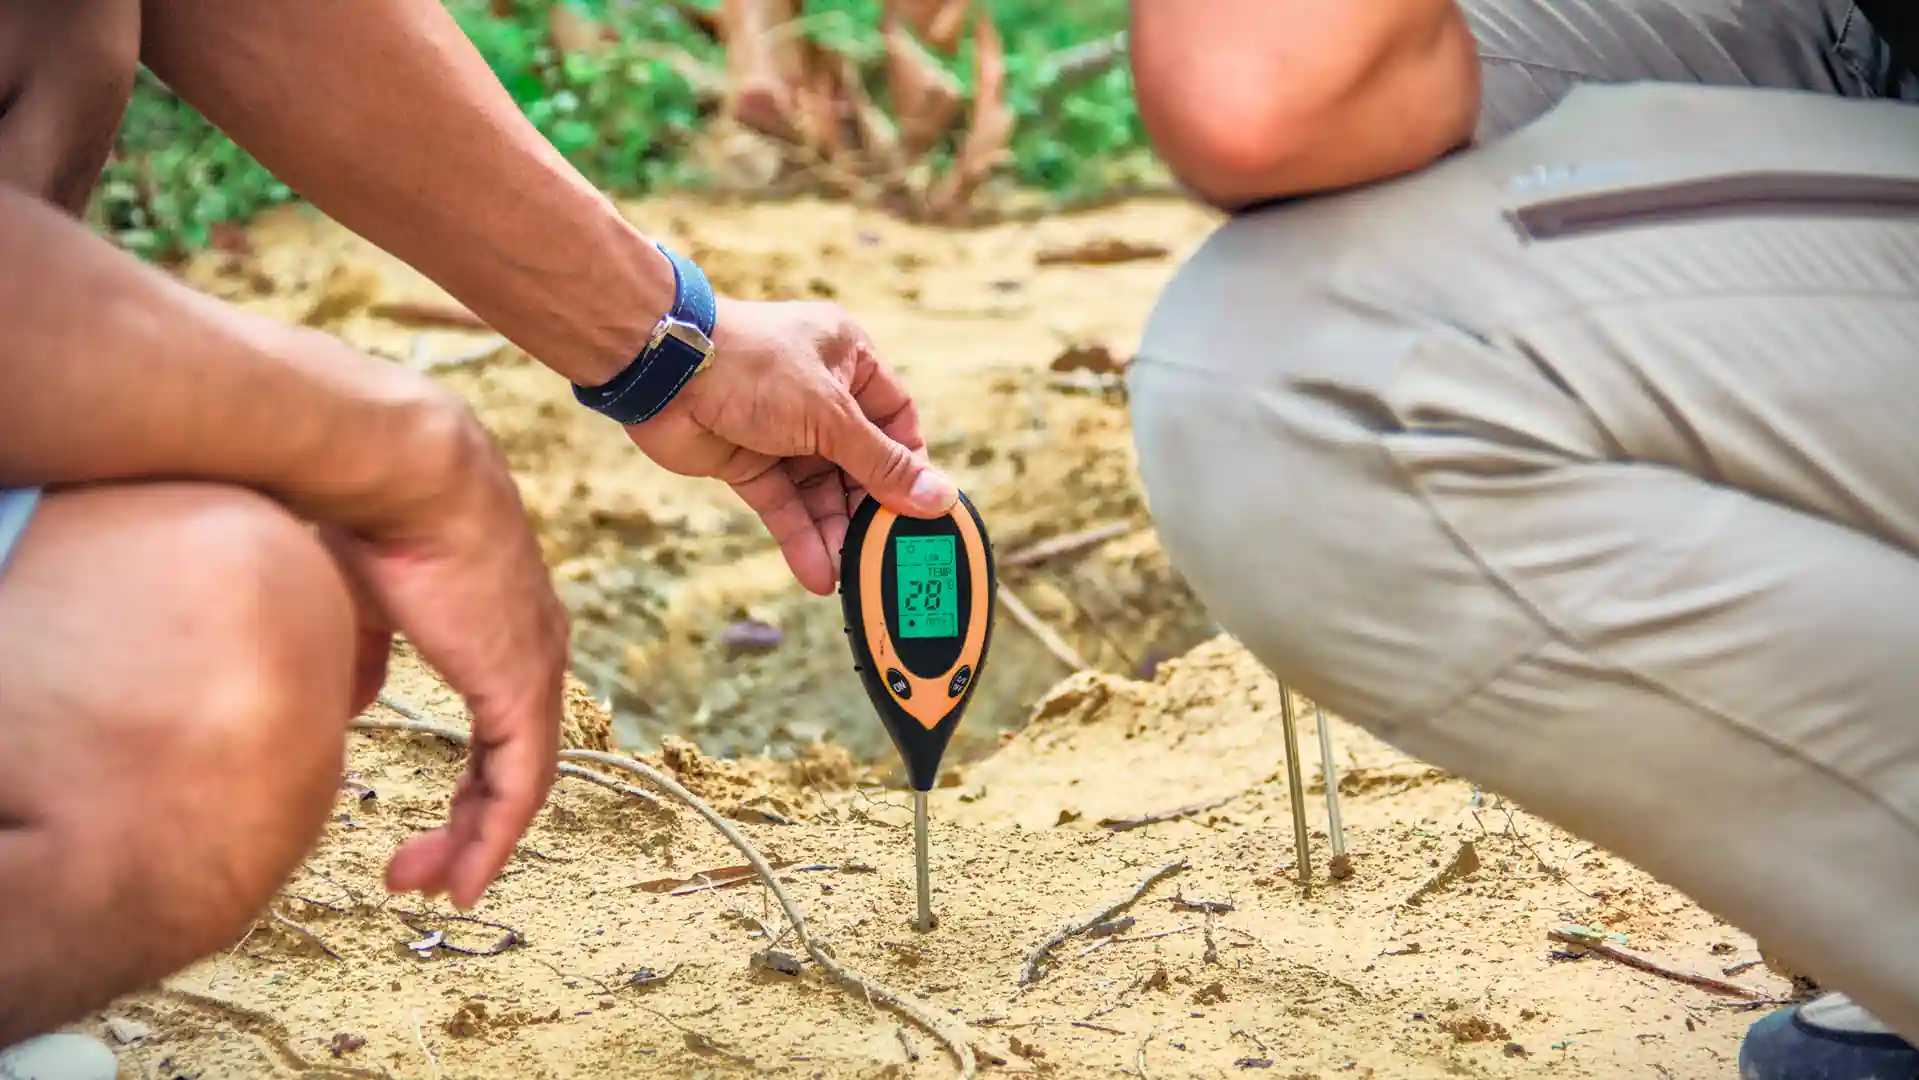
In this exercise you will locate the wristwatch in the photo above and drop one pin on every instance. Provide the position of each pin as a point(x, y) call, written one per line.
point(679, 348)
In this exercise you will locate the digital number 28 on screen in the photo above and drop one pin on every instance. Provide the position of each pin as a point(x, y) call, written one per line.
point(922, 595)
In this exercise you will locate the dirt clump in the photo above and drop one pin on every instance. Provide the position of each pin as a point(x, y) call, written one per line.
point(1472, 1028)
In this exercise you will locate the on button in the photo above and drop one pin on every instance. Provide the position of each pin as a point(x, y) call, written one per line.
point(960, 679)
point(897, 682)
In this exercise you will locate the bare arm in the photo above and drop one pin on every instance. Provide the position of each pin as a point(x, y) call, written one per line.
point(383, 115)
point(1251, 100)
point(114, 371)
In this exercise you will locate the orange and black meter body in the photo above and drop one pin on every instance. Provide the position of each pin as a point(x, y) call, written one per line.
point(918, 596)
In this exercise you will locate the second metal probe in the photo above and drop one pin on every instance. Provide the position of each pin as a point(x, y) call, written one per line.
point(1296, 788)
point(1329, 774)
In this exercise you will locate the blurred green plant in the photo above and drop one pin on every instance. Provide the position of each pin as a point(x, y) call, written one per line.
point(626, 110)
point(173, 176)
point(623, 112)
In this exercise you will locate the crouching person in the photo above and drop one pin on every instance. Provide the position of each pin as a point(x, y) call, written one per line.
point(1580, 460)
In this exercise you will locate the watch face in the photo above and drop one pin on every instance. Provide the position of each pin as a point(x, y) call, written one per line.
point(687, 334)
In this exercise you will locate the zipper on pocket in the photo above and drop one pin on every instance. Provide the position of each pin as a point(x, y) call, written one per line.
point(1799, 194)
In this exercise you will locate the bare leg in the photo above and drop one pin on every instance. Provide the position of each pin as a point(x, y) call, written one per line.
point(176, 668)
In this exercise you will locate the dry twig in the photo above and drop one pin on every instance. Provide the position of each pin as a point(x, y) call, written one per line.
point(266, 1028)
point(1124, 824)
point(604, 989)
point(1064, 545)
point(419, 1039)
point(1054, 644)
point(417, 724)
point(1182, 902)
point(1030, 972)
point(1599, 946)
point(1139, 1055)
point(302, 933)
point(900, 1002)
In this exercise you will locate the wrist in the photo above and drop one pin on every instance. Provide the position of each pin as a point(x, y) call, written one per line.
point(383, 448)
point(616, 310)
point(678, 348)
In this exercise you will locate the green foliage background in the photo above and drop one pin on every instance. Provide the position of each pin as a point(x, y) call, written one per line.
point(625, 116)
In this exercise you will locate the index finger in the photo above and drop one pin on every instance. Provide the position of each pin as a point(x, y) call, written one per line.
point(883, 398)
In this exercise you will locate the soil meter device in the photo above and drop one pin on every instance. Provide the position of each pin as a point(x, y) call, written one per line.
point(918, 595)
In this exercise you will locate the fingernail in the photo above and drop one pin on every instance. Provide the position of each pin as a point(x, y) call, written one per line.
point(933, 492)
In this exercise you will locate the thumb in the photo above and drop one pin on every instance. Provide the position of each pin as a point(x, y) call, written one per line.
point(899, 479)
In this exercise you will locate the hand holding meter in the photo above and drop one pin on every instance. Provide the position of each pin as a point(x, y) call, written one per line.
point(918, 597)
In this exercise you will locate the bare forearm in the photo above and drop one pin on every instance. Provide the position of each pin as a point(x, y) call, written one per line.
point(384, 116)
point(1258, 99)
point(112, 371)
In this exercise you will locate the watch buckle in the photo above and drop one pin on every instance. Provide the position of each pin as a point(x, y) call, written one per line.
point(683, 332)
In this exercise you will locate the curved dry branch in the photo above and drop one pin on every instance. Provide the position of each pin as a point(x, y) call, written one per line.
point(902, 1003)
point(1030, 973)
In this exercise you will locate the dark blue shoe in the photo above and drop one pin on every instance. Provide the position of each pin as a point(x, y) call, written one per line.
point(1827, 1038)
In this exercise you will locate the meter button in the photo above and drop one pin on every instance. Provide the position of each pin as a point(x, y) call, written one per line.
point(960, 680)
point(898, 684)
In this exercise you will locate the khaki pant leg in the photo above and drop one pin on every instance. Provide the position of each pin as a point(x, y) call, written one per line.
point(1622, 522)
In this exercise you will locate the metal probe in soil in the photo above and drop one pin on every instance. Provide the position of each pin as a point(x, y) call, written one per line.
point(1329, 773)
point(1295, 788)
point(917, 595)
point(925, 921)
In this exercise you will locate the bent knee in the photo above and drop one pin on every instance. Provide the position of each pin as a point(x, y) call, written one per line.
point(1289, 519)
point(270, 634)
point(219, 743)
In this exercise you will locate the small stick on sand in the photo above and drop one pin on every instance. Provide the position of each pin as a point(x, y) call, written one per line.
point(1598, 945)
point(1182, 902)
point(1154, 937)
point(302, 933)
point(267, 1029)
point(604, 989)
point(899, 1002)
point(1123, 824)
point(420, 725)
point(1065, 545)
point(1030, 973)
point(1139, 1055)
point(1054, 644)
point(419, 1037)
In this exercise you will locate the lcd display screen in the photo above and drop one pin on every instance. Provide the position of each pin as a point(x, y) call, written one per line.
point(928, 586)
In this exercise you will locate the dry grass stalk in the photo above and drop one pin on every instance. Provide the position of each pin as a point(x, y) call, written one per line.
point(900, 1002)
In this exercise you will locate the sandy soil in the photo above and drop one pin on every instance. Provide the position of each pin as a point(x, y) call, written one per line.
point(1349, 979)
point(610, 969)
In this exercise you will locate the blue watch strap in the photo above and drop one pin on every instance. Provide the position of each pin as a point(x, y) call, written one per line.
point(656, 375)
